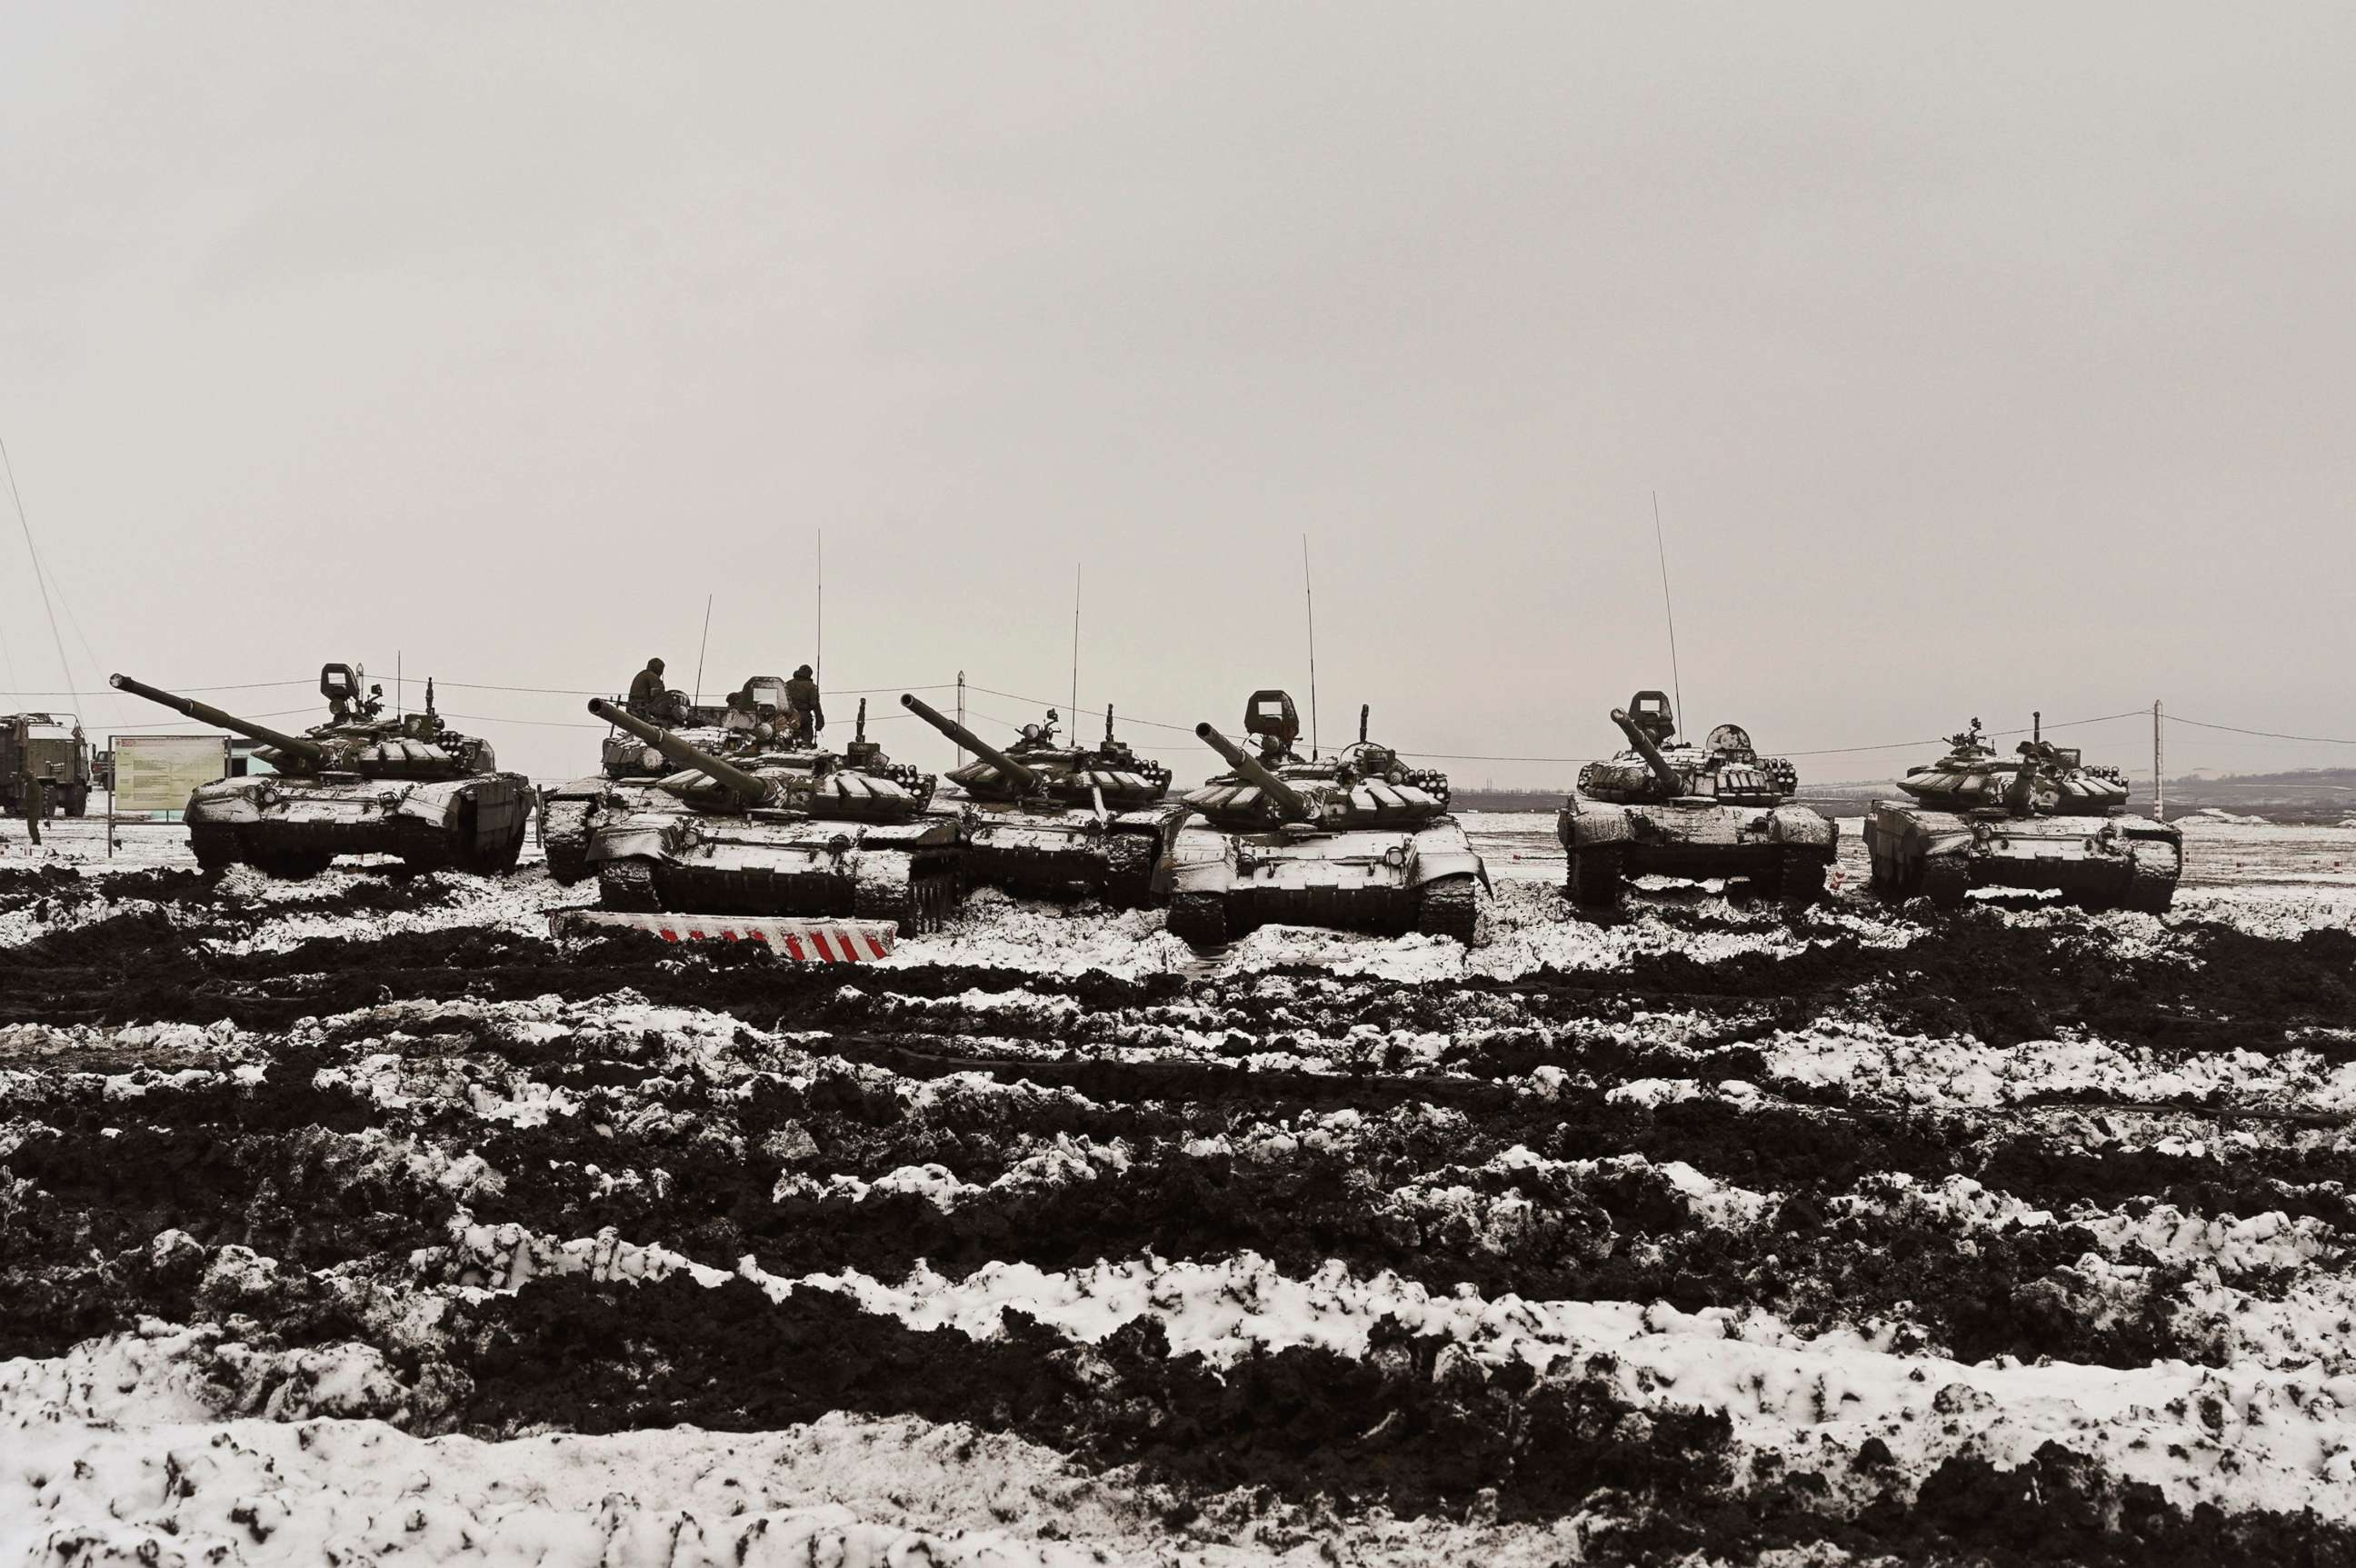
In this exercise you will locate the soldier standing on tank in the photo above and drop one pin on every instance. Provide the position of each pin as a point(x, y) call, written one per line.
point(647, 692)
point(802, 699)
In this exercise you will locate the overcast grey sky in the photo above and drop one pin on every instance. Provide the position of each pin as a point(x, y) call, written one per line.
point(1983, 358)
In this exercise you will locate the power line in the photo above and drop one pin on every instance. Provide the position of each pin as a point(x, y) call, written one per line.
point(2266, 734)
point(40, 578)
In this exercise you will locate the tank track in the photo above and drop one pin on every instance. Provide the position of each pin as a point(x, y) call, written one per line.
point(1598, 877)
point(627, 885)
point(564, 837)
point(1449, 907)
point(1800, 876)
point(2150, 890)
point(920, 905)
point(1128, 869)
point(1199, 919)
point(1944, 880)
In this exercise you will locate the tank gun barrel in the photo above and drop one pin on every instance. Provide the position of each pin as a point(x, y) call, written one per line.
point(1022, 778)
point(295, 748)
point(1666, 775)
point(1288, 799)
point(749, 788)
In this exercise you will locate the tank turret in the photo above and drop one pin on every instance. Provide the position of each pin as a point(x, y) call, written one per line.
point(2040, 779)
point(1290, 804)
point(747, 789)
point(1671, 781)
point(1015, 778)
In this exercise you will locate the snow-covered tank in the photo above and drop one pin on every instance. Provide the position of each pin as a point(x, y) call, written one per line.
point(359, 784)
point(792, 832)
point(628, 767)
point(1358, 841)
point(1668, 808)
point(2040, 819)
point(1047, 817)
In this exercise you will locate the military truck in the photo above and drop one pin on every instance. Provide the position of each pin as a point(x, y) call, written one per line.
point(1358, 841)
point(1045, 817)
point(2042, 819)
point(362, 783)
point(51, 748)
point(1666, 806)
point(778, 833)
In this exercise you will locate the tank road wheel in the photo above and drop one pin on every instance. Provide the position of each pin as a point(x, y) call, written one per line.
point(1802, 875)
point(78, 800)
point(1448, 907)
point(1199, 919)
point(1128, 870)
point(564, 836)
point(1944, 880)
point(1768, 881)
point(2150, 888)
point(627, 885)
point(1597, 876)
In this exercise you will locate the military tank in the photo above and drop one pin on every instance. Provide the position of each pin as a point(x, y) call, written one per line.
point(794, 832)
point(2040, 819)
point(746, 723)
point(1667, 807)
point(1048, 817)
point(359, 784)
point(1355, 841)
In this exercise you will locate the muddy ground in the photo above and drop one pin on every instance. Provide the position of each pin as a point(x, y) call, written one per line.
point(2011, 1234)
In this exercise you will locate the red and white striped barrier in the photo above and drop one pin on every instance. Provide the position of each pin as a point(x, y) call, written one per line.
point(804, 941)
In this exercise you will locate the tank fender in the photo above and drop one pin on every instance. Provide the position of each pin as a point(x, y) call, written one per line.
point(1583, 824)
point(638, 836)
point(232, 803)
point(1430, 865)
point(593, 788)
point(1796, 827)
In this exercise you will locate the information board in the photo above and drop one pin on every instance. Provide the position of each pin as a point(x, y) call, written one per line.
point(156, 772)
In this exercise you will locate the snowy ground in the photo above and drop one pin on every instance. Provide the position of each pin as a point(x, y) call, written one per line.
point(354, 1219)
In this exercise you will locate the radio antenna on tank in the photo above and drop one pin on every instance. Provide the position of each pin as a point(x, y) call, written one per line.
point(1075, 644)
point(819, 572)
point(1309, 598)
point(700, 648)
point(1668, 612)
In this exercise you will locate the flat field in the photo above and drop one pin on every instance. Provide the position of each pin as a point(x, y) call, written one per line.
point(354, 1219)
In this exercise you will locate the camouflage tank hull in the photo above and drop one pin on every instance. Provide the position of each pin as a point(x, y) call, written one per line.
point(1068, 851)
point(1783, 851)
point(1222, 884)
point(652, 860)
point(292, 825)
point(2107, 861)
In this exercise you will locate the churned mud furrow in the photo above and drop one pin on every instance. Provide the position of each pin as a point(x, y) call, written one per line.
point(1695, 1230)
